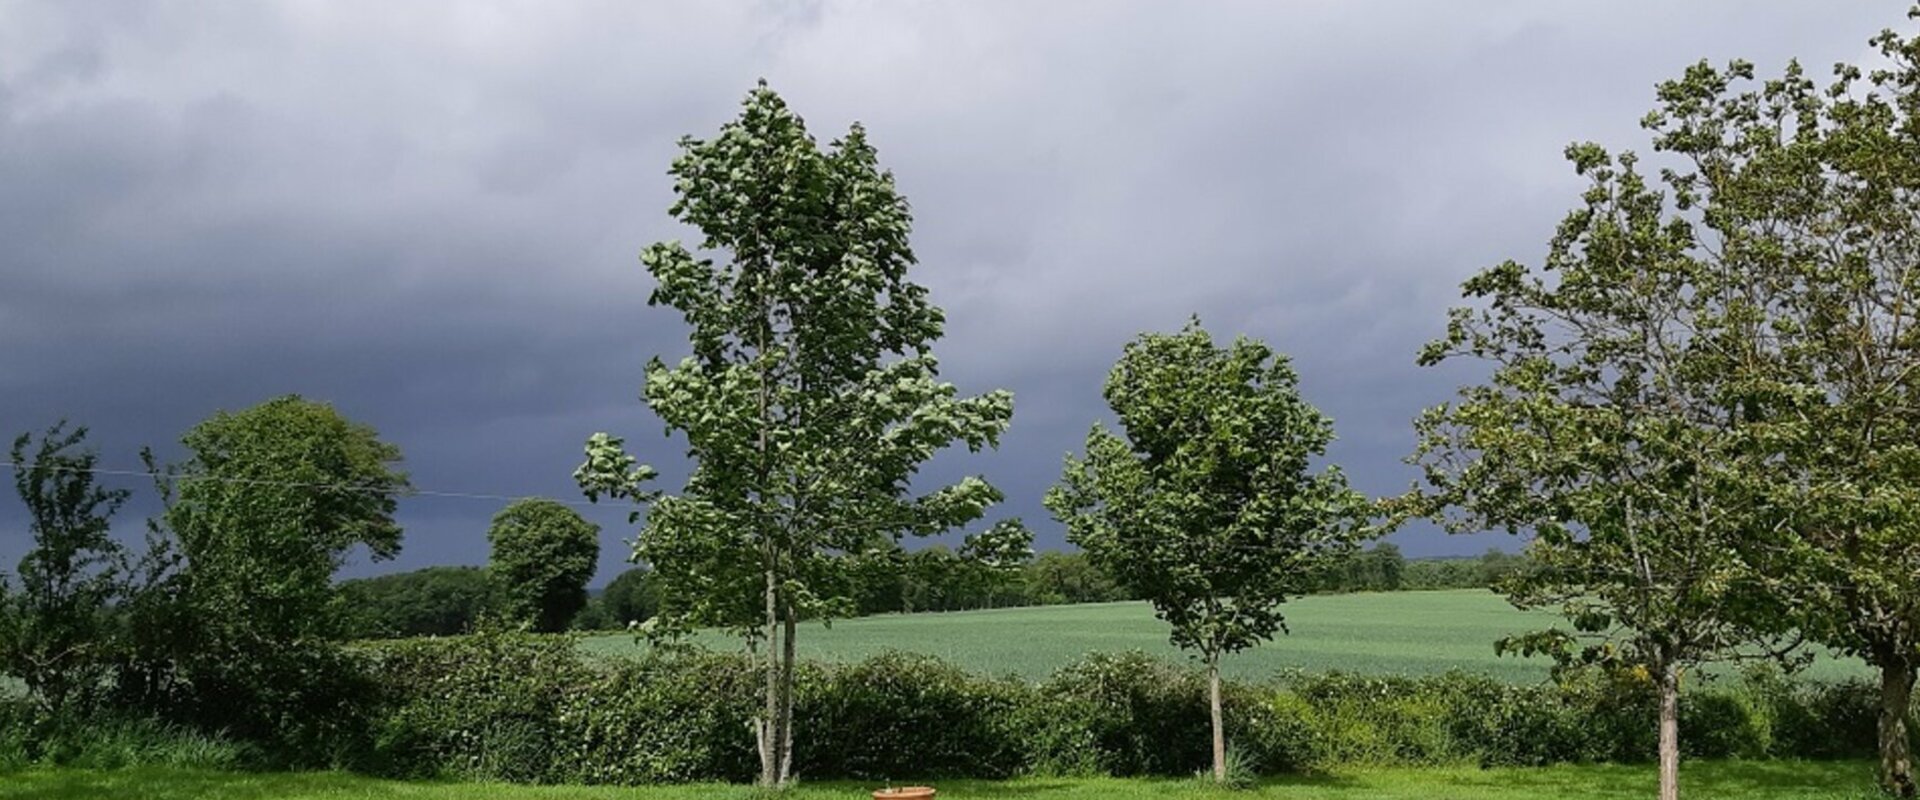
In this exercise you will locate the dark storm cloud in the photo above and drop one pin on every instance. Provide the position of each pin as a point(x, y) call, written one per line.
point(428, 214)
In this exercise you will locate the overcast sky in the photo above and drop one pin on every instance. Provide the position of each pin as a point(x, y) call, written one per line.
point(429, 214)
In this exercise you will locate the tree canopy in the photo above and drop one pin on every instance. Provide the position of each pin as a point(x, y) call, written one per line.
point(266, 508)
point(809, 400)
point(1209, 505)
point(58, 625)
point(543, 555)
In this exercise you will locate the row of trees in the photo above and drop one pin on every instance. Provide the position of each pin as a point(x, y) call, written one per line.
point(445, 601)
point(1703, 408)
point(229, 618)
point(224, 620)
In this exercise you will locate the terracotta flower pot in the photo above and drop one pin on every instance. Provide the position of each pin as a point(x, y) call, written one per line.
point(904, 793)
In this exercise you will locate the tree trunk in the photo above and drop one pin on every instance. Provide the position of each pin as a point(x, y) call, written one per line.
point(1219, 731)
point(1670, 732)
point(770, 712)
point(784, 733)
point(1896, 696)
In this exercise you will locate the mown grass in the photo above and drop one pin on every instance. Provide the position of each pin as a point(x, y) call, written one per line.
point(1766, 780)
point(1404, 633)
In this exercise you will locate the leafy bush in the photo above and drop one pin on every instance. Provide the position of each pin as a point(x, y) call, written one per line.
point(665, 717)
point(301, 705)
point(1832, 720)
point(484, 707)
point(901, 714)
point(1120, 714)
point(529, 708)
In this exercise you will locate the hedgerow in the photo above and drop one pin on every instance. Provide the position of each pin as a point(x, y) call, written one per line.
point(532, 709)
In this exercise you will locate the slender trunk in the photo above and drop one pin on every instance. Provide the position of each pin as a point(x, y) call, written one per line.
point(770, 775)
point(1219, 731)
point(769, 767)
point(1669, 732)
point(1896, 696)
point(785, 731)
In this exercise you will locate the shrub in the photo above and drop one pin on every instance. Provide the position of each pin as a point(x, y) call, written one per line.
point(1725, 724)
point(1274, 730)
point(302, 705)
point(1372, 720)
point(484, 707)
point(1827, 720)
point(901, 714)
point(15, 733)
point(662, 718)
point(1121, 714)
point(528, 708)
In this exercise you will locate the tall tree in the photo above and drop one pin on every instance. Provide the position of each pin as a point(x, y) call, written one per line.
point(543, 555)
point(1209, 505)
point(1623, 426)
point(266, 508)
point(59, 632)
point(1815, 193)
point(811, 396)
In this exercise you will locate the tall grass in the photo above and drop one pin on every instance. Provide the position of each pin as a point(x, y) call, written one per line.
point(116, 743)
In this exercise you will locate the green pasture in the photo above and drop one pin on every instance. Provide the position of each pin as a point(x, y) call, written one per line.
point(1407, 633)
point(1750, 780)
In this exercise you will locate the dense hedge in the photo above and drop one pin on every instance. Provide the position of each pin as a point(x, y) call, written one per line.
point(532, 709)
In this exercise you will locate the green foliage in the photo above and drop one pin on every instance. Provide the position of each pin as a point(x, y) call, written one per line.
point(1811, 193)
point(1208, 506)
point(270, 502)
point(119, 743)
point(267, 507)
point(1492, 569)
point(670, 717)
point(811, 396)
point(484, 707)
point(543, 555)
point(1605, 428)
point(1055, 578)
point(632, 596)
point(529, 709)
point(435, 601)
point(59, 630)
point(899, 714)
point(1704, 401)
point(1380, 568)
point(1123, 714)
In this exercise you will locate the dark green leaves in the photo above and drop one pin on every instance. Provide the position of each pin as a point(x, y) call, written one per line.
point(1208, 505)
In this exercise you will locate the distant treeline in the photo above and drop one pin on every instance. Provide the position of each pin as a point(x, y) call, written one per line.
point(443, 601)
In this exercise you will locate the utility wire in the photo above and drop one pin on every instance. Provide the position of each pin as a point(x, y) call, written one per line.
point(338, 487)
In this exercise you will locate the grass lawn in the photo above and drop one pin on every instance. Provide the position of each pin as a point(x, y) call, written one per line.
point(1766, 780)
point(1410, 633)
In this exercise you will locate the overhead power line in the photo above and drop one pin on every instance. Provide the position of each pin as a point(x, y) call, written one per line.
point(338, 487)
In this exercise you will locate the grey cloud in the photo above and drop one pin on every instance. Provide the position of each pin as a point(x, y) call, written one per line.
point(428, 214)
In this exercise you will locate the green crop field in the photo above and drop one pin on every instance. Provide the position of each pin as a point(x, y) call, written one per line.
point(1750, 780)
point(1408, 633)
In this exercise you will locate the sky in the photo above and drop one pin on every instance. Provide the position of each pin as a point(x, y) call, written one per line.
point(429, 214)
